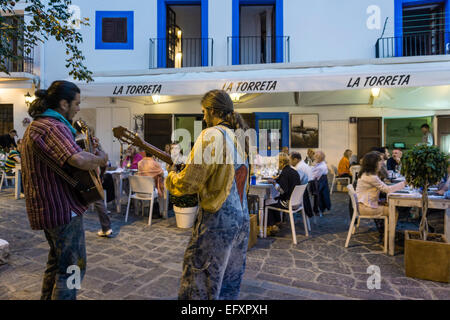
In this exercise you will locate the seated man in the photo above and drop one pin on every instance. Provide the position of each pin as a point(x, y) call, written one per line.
point(344, 164)
point(285, 184)
point(394, 163)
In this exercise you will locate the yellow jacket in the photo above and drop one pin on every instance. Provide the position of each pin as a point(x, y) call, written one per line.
point(207, 171)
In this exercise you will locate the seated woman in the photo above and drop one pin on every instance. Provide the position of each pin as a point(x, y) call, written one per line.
point(132, 159)
point(149, 167)
point(344, 165)
point(444, 186)
point(370, 185)
point(285, 184)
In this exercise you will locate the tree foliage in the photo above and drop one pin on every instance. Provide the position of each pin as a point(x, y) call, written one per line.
point(422, 167)
point(18, 36)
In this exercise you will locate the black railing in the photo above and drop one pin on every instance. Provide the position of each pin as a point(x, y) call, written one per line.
point(188, 52)
point(24, 64)
point(414, 44)
point(258, 49)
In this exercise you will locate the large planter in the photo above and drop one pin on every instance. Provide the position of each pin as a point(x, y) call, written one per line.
point(427, 260)
point(185, 216)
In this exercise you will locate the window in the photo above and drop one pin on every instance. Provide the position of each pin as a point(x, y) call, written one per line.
point(421, 27)
point(114, 30)
point(6, 118)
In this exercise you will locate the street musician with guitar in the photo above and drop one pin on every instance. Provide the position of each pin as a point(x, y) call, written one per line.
point(56, 182)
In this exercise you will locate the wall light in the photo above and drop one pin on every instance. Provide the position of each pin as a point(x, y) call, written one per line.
point(235, 97)
point(375, 92)
point(156, 98)
point(29, 99)
point(179, 34)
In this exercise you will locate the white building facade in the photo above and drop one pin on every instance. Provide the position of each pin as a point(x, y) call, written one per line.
point(285, 60)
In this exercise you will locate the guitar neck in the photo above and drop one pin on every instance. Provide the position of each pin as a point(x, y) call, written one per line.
point(154, 151)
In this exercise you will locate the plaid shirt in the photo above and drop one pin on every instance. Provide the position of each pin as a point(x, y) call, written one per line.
point(49, 199)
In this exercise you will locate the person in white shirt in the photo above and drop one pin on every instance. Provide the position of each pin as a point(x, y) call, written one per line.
point(427, 137)
point(305, 169)
point(370, 185)
point(320, 168)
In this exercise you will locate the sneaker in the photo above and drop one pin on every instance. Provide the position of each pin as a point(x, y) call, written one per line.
point(101, 233)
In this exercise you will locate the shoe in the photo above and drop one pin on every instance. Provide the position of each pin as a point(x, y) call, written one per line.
point(101, 233)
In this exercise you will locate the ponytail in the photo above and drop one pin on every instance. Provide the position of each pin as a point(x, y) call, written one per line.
point(50, 98)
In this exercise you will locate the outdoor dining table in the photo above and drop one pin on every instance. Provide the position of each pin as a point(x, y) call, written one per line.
point(408, 198)
point(263, 191)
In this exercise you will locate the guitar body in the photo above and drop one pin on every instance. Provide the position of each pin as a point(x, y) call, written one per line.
point(89, 183)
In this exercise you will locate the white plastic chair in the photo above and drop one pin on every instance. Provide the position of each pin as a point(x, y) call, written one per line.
point(296, 202)
point(355, 171)
point(142, 188)
point(334, 172)
point(356, 214)
point(5, 178)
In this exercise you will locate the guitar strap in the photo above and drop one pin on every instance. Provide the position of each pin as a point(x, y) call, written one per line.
point(55, 167)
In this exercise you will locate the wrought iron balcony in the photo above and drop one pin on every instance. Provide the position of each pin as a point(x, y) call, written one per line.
point(24, 64)
point(414, 44)
point(181, 53)
point(258, 49)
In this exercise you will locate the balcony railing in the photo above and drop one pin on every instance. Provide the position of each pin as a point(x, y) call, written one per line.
point(417, 44)
point(257, 49)
point(24, 64)
point(195, 52)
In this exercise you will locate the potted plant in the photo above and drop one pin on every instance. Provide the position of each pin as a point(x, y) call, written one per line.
point(427, 255)
point(185, 208)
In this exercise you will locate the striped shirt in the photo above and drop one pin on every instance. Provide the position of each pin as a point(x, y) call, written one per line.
point(49, 199)
point(11, 160)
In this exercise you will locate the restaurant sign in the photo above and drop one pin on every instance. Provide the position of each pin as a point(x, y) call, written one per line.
point(379, 81)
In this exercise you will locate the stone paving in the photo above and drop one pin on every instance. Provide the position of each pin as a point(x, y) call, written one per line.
point(143, 262)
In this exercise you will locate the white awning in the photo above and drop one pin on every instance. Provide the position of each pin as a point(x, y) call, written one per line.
point(382, 73)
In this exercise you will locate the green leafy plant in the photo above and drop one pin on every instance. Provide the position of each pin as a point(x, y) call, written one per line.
point(422, 167)
point(42, 21)
point(186, 201)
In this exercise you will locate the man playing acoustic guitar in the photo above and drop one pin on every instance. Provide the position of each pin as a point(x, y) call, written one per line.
point(53, 205)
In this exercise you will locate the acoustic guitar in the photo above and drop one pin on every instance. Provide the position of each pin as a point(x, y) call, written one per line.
point(91, 185)
point(125, 135)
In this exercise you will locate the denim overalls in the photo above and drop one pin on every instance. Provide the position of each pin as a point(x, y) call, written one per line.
point(214, 261)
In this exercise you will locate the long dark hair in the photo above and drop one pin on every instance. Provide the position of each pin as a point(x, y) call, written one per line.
point(370, 163)
point(222, 107)
point(50, 98)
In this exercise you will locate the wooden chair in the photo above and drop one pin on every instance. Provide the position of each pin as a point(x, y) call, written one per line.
point(356, 214)
point(142, 188)
point(296, 202)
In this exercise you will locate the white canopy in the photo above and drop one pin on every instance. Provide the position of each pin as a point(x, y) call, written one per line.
point(327, 76)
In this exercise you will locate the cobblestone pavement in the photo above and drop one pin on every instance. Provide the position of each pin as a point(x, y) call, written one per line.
point(143, 262)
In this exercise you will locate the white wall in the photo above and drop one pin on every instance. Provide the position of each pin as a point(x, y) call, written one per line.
point(145, 27)
point(16, 97)
point(318, 30)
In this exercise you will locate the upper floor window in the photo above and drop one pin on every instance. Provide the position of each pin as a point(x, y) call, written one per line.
point(421, 28)
point(114, 30)
point(257, 33)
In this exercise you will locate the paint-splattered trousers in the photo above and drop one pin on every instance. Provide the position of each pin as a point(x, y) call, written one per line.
point(214, 261)
point(67, 248)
